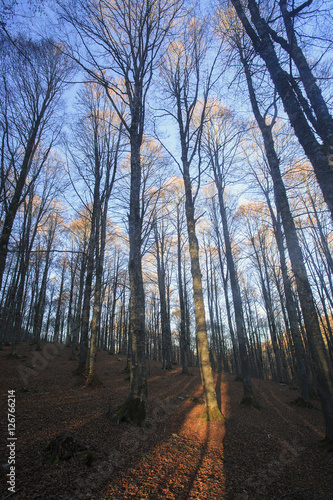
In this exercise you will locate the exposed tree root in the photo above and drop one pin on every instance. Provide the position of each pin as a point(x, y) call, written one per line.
point(133, 412)
point(61, 448)
point(198, 401)
point(93, 381)
point(211, 414)
point(250, 401)
point(127, 368)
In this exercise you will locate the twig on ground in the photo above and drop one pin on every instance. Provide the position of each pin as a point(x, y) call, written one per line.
point(293, 493)
point(11, 494)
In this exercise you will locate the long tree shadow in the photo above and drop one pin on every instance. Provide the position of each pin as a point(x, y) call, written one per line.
point(177, 455)
point(185, 457)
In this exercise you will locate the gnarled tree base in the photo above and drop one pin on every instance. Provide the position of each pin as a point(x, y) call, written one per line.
point(211, 414)
point(133, 412)
point(93, 381)
point(250, 401)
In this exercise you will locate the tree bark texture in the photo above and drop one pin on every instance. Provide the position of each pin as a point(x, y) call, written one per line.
point(262, 42)
point(321, 368)
point(212, 410)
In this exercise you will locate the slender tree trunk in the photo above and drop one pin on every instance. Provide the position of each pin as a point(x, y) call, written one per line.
point(182, 335)
point(92, 378)
point(268, 306)
point(58, 312)
point(86, 301)
point(134, 409)
point(303, 368)
point(165, 322)
point(248, 396)
point(212, 409)
point(236, 364)
point(322, 370)
point(40, 301)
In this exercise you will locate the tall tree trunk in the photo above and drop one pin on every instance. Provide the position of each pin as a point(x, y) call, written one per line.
point(236, 363)
point(248, 396)
point(134, 409)
point(212, 410)
point(86, 300)
point(265, 287)
point(284, 84)
point(322, 370)
point(182, 334)
point(303, 368)
point(92, 378)
point(165, 321)
point(40, 300)
point(58, 312)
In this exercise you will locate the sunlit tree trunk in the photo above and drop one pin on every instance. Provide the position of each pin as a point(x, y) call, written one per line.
point(181, 71)
point(212, 409)
point(131, 35)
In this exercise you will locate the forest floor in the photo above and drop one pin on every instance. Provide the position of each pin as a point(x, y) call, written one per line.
point(268, 453)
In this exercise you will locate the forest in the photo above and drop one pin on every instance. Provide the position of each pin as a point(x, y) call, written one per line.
point(166, 193)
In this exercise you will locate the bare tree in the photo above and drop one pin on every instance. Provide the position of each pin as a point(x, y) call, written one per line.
point(321, 367)
point(308, 114)
point(31, 92)
point(95, 152)
point(183, 74)
point(220, 142)
point(125, 39)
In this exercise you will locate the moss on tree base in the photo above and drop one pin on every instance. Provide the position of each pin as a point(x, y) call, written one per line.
point(211, 414)
point(250, 402)
point(133, 412)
